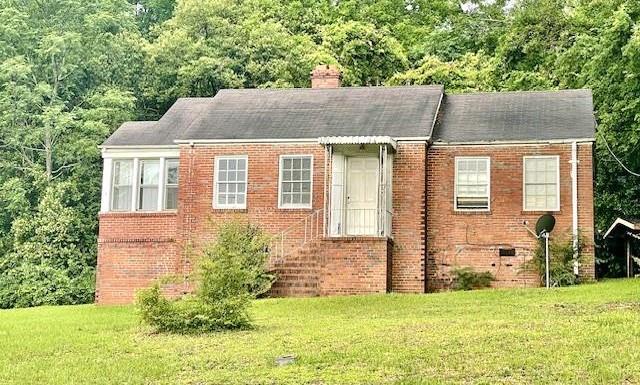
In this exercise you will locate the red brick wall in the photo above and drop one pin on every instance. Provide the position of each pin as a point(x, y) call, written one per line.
point(408, 228)
point(353, 266)
point(130, 242)
point(133, 250)
point(457, 239)
point(198, 220)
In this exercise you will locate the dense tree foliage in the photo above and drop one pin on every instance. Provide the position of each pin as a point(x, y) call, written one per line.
point(72, 71)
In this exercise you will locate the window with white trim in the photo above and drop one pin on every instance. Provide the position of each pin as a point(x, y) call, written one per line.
point(541, 183)
point(472, 176)
point(122, 185)
point(171, 184)
point(231, 182)
point(295, 181)
point(149, 182)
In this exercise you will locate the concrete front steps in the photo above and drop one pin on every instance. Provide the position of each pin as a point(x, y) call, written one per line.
point(298, 273)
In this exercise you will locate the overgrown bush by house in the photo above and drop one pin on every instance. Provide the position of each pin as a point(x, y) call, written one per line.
point(229, 274)
point(561, 260)
point(465, 278)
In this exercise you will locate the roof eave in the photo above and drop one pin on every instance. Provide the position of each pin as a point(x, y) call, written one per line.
point(514, 142)
point(619, 221)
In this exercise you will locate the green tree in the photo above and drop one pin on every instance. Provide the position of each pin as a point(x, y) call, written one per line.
point(67, 79)
point(368, 55)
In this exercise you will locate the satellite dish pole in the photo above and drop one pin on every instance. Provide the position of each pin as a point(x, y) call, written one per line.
point(544, 226)
point(545, 235)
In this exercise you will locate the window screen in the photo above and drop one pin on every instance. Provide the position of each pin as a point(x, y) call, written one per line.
point(171, 184)
point(122, 185)
point(149, 181)
point(472, 184)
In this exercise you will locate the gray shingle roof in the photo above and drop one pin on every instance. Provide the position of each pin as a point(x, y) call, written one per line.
point(164, 131)
point(291, 114)
point(368, 111)
point(311, 113)
point(516, 116)
point(135, 133)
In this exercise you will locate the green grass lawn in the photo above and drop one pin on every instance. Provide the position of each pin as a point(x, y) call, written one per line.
point(580, 335)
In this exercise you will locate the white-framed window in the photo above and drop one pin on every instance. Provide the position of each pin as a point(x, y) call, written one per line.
point(139, 184)
point(149, 184)
point(541, 183)
point(230, 182)
point(472, 183)
point(122, 185)
point(171, 184)
point(295, 184)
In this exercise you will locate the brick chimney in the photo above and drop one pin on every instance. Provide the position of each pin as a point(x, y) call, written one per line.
point(326, 76)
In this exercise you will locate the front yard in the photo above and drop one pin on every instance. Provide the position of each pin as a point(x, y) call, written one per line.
point(587, 335)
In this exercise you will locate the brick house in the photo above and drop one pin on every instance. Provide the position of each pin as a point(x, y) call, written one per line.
point(364, 189)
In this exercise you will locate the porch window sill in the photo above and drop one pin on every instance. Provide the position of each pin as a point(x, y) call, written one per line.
point(540, 212)
point(355, 238)
point(295, 209)
point(126, 214)
point(471, 212)
point(228, 211)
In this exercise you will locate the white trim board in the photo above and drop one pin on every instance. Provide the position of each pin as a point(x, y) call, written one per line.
point(514, 143)
point(134, 152)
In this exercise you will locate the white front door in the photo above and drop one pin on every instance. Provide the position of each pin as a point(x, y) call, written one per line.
point(362, 196)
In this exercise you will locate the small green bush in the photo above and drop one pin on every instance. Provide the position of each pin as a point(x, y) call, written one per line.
point(465, 278)
point(560, 260)
point(229, 275)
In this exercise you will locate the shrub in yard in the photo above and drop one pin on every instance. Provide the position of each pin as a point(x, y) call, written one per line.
point(560, 260)
point(51, 257)
point(465, 278)
point(229, 274)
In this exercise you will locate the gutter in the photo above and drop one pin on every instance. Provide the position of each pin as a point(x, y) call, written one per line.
point(574, 205)
point(516, 142)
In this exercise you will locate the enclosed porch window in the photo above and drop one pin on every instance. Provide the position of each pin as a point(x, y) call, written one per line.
point(360, 193)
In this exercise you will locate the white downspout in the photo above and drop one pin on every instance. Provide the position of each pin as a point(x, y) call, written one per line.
point(574, 205)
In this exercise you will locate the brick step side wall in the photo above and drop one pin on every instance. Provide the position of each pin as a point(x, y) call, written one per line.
point(335, 266)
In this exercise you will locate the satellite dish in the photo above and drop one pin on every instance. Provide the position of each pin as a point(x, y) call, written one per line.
point(545, 223)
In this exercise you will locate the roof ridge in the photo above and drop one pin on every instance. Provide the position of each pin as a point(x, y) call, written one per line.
point(566, 90)
point(430, 86)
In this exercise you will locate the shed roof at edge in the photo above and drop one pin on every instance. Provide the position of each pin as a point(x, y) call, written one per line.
point(621, 227)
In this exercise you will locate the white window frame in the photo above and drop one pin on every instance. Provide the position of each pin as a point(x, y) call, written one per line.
point(227, 206)
point(112, 185)
point(172, 185)
point(455, 183)
point(524, 182)
point(139, 185)
point(295, 205)
point(111, 155)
